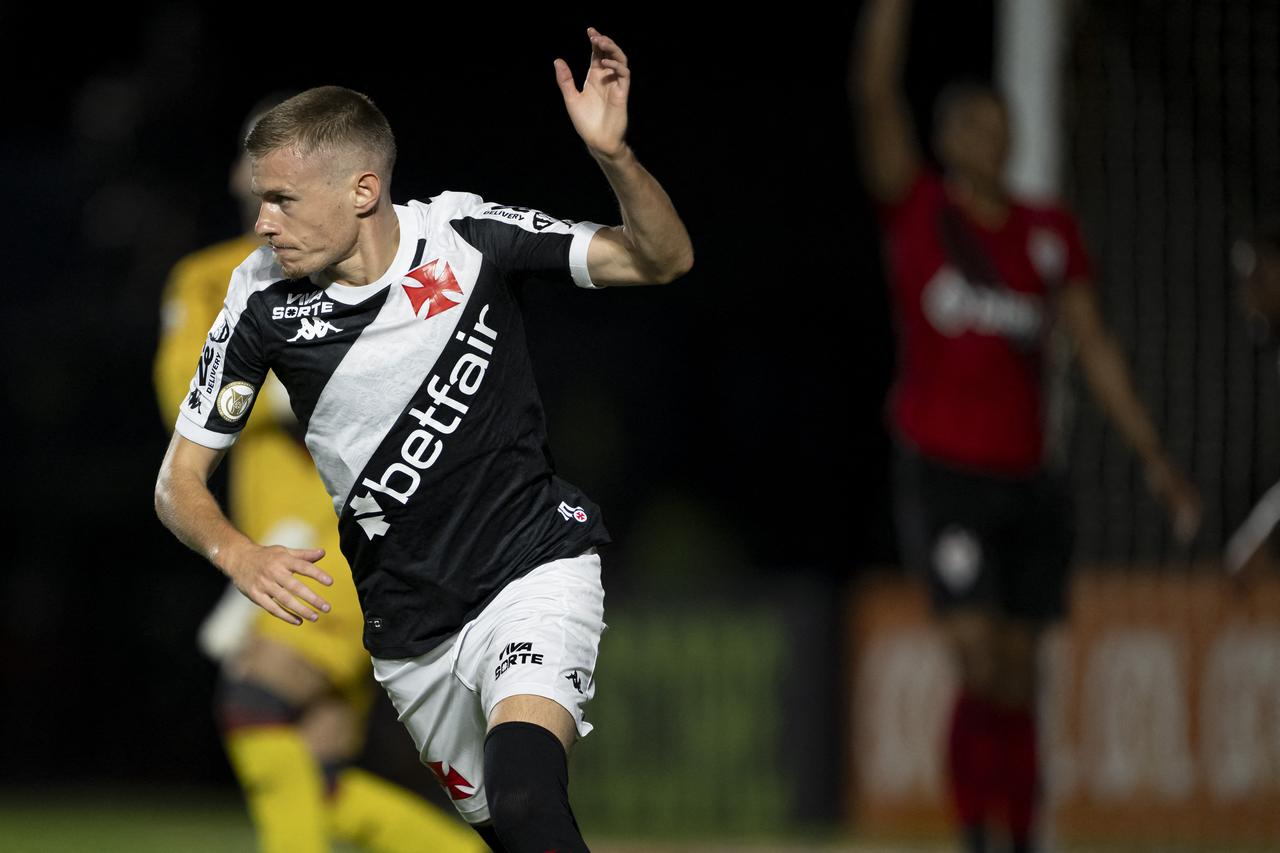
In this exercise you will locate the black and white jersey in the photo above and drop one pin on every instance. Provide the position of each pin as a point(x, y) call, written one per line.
point(418, 400)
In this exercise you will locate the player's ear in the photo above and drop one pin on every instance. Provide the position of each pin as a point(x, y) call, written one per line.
point(366, 189)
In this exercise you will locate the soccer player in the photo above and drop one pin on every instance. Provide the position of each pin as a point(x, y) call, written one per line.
point(1257, 266)
point(396, 332)
point(978, 278)
point(291, 704)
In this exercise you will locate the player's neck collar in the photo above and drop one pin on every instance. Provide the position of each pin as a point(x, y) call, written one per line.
point(354, 294)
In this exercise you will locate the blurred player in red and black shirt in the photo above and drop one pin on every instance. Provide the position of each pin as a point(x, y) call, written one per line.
point(979, 279)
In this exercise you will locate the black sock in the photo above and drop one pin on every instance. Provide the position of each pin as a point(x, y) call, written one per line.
point(526, 778)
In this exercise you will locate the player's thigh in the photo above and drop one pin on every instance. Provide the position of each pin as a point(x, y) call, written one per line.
point(333, 644)
point(332, 728)
point(444, 718)
point(1040, 537)
point(547, 713)
point(280, 667)
point(534, 649)
point(946, 526)
point(973, 637)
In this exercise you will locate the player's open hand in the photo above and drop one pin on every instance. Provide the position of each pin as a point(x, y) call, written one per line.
point(266, 577)
point(599, 110)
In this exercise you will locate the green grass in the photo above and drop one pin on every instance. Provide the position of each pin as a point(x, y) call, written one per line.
point(196, 821)
point(79, 821)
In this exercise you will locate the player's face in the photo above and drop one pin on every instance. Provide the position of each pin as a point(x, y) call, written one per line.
point(975, 139)
point(306, 212)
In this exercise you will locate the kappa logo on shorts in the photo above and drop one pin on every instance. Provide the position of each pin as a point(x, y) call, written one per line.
point(513, 654)
point(572, 512)
point(434, 285)
point(575, 680)
point(451, 780)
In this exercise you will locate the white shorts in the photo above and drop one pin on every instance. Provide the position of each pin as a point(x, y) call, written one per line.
point(540, 635)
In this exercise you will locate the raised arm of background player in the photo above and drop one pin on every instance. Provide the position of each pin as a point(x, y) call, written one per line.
point(890, 158)
point(650, 247)
point(888, 151)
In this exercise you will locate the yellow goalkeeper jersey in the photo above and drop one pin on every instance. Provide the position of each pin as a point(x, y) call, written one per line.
point(275, 495)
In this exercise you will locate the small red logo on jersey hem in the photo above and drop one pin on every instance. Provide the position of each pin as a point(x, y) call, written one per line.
point(452, 781)
point(433, 285)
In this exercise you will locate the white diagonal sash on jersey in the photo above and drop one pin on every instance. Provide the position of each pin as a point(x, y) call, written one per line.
point(364, 396)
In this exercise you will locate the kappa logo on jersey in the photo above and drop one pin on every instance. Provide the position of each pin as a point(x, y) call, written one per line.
point(369, 514)
point(302, 305)
point(575, 513)
point(310, 329)
point(421, 447)
point(433, 285)
point(234, 400)
point(451, 780)
point(193, 400)
point(514, 654)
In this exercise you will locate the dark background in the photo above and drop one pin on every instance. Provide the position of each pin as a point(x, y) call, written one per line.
point(730, 424)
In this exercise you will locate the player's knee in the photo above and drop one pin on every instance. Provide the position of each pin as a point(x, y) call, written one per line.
point(526, 780)
point(331, 729)
point(1018, 664)
point(972, 640)
point(241, 703)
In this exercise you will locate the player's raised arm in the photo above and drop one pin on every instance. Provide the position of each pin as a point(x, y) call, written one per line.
point(888, 149)
point(264, 574)
point(1107, 373)
point(651, 246)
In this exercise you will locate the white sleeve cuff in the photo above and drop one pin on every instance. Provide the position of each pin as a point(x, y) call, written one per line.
point(582, 233)
point(204, 437)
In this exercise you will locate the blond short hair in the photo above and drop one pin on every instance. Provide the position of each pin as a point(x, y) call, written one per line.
point(325, 119)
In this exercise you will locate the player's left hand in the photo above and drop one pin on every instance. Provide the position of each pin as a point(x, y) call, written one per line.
point(599, 111)
point(1180, 498)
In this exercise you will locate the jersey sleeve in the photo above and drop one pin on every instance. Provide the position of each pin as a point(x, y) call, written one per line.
point(229, 372)
point(528, 243)
point(190, 298)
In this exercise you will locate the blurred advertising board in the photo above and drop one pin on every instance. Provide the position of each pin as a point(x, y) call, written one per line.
point(1159, 698)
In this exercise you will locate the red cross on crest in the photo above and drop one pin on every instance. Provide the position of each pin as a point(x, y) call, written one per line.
point(434, 285)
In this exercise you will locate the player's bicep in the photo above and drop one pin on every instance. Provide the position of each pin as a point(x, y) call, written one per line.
point(888, 152)
point(611, 260)
point(186, 458)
